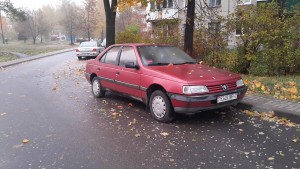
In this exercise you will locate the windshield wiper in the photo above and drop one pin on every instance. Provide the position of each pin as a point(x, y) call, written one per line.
point(157, 64)
point(185, 63)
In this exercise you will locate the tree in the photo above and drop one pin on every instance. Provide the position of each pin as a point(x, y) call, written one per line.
point(8, 8)
point(70, 19)
point(43, 25)
point(110, 13)
point(189, 27)
point(90, 17)
point(32, 24)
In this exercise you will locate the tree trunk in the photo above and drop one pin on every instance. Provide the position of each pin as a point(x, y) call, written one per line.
point(189, 28)
point(41, 38)
point(2, 32)
point(110, 14)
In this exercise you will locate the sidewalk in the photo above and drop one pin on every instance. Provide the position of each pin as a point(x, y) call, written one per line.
point(281, 108)
point(30, 58)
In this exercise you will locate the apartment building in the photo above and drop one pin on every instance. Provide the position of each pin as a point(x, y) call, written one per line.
point(175, 10)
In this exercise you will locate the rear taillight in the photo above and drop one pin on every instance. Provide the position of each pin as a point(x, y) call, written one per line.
point(77, 50)
point(94, 50)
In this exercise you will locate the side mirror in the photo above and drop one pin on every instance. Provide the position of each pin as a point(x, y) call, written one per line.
point(131, 65)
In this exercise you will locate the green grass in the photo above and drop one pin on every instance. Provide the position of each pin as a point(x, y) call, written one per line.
point(30, 49)
point(4, 57)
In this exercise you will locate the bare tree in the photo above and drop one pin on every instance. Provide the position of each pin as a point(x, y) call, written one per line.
point(70, 18)
point(32, 24)
point(43, 25)
point(90, 17)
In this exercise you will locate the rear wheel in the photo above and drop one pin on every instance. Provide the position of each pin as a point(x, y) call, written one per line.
point(160, 107)
point(97, 88)
point(79, 58)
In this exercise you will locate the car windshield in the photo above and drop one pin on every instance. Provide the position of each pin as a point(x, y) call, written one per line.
point(163, 55)
point(88, 44)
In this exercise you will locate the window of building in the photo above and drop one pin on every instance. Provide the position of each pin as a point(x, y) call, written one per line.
point(214, 3)
point(214, 27)
point(168, 4)
point(244, 2)
point(127, 55)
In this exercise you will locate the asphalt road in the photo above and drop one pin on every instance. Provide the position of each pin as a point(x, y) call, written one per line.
point(49, 102)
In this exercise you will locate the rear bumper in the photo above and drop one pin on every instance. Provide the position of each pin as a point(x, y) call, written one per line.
point(194, 104)
point(88, 54)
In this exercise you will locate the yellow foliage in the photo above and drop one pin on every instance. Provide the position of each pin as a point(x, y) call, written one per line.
point(291, 83)
point(293, 90)
point(257, 84)
point(263, 88)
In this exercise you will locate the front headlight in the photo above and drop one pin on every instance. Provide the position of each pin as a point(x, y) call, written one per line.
point(194, 89)
point(239, 83)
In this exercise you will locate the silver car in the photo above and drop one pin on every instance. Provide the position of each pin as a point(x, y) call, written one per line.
point(89, 49)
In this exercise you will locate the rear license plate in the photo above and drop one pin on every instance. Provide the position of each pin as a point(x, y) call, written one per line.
point(226, 98)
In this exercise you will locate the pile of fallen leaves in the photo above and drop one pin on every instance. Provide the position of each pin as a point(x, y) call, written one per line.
point(271, 117)
point(286, 88)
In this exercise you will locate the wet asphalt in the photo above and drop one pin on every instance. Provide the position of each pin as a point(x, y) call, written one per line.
point(49, 103)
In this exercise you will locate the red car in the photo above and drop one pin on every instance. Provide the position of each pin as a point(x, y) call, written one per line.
point(165, 78)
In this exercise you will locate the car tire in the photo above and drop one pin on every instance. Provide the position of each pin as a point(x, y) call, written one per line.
point(79, 58)
point(97, 89)
point(160, 107)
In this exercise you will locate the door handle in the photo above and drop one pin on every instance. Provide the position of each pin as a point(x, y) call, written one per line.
point(98, 68)
point(117, 73)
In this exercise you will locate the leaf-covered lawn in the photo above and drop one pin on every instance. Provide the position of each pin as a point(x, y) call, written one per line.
point(281, 87)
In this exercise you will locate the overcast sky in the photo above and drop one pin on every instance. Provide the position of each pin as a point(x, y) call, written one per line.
point(35, 4)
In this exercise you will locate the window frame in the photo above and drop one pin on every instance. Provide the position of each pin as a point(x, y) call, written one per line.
point(103, 58)
point(214, 3)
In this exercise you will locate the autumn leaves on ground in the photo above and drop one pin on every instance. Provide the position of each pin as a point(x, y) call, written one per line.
point(281, 87)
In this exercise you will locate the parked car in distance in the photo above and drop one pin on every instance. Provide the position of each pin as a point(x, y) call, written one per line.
point(165, 78)
point(90, 49)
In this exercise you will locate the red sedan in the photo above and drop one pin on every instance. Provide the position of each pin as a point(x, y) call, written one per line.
point(165, 78)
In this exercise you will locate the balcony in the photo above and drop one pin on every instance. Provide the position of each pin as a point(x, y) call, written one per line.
point(164, 13)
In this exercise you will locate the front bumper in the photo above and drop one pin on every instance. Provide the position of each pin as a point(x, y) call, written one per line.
point(193, 104)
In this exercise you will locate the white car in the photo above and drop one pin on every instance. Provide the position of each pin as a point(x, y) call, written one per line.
point(89, 49)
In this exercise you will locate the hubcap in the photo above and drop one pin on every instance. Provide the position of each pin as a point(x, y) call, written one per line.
point(159, 106)
point(96, 87)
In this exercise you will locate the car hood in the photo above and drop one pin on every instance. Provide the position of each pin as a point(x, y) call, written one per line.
point(193, 73)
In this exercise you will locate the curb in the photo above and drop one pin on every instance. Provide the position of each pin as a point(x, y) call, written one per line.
point(30, 58)
point(290, 115)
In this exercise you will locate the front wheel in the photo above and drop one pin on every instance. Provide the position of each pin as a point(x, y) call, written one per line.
point(160, 107)
point(97, 88)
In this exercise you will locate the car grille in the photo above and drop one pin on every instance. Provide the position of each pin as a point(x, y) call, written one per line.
point(218, 88)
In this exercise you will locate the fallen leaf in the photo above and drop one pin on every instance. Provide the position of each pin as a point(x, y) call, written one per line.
point(271, 158)
point(172, 144)
point(295, 140)
point(137, 135)
point(240, 123)
point(164, 134)
point(25, 141)
point(172, 160)
point(2, 114)
point(261, 133)
point(130, 104)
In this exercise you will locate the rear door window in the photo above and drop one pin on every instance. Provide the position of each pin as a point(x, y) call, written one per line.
point(127, 55)
point(111, 55)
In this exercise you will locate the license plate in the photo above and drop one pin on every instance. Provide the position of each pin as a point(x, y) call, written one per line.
point(226, 98)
